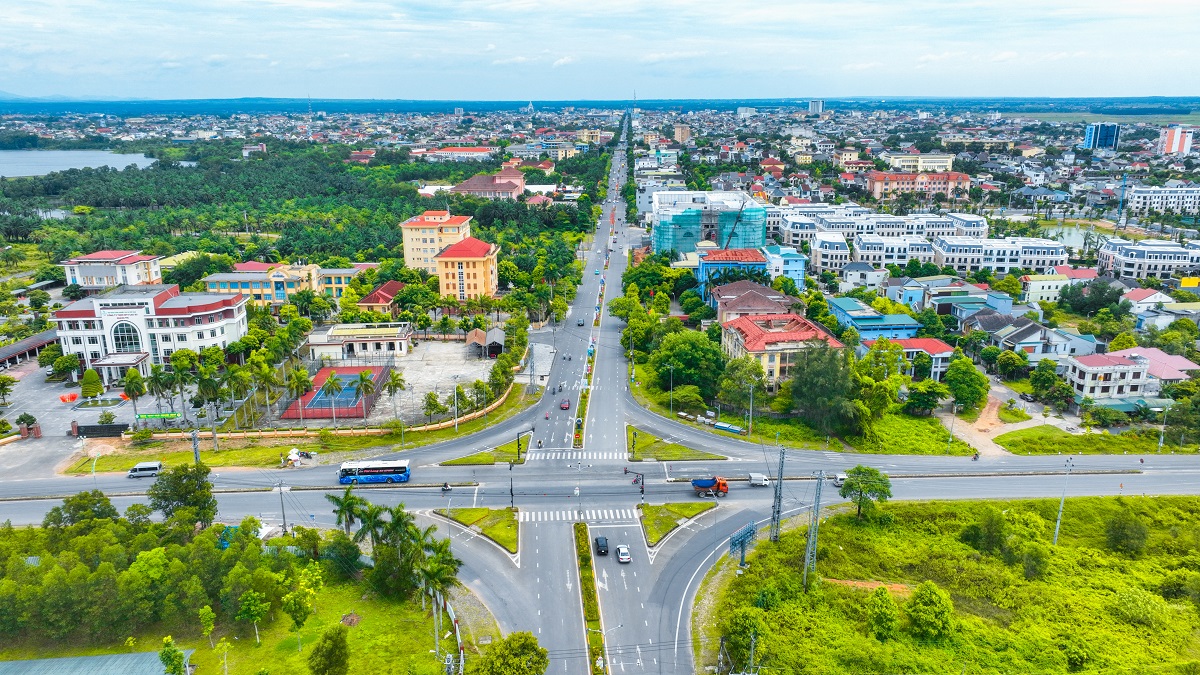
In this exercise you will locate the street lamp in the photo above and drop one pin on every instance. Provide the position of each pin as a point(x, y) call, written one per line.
point(600, 659)
point(456, 403)
point(672, 390)
point(1163, 430)
point(1058, 523)
point(953, 414)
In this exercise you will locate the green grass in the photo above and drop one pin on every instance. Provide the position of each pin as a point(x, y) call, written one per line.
point(970, 415)
point(499, 525)
point(1021, 386)
point(33, 259)
point(653, 448)
point(1012, 415)
point(587, 588)
point(901, 434)
point(1004, 621)
point(388, 633)
point(659, 519)
point(501, 454)
point(1049, 440)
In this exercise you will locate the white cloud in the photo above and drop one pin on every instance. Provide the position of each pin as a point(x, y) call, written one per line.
point(563, 61)
point(869, 65)
point(512, 59)
point(1001, 57)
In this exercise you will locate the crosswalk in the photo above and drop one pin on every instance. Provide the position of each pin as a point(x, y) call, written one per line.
point(576, 515)
point(575, 455)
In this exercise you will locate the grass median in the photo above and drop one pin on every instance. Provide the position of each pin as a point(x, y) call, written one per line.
point(652, 448)
point(501, 454)
point(658, 520)
point(499, 525)
point(1048, 440)
point(587, 590)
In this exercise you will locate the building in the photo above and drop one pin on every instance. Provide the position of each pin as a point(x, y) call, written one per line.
point(1125, 259)
point(829, 252)
point(728, 219)
point(507, 183)
point(747, 298)
point(871, 324)
point(1162, 368)
point(275, 285)
point(1101, 136)
point(683, 134)
point(879, 251)
point(468, 269)
point(1145, 299)
point(716, 263)
point(816, 107)
point(382, 299)
point(888, 185)
point(459, 153)
point(776, 341)
point(861, 275)
point(938, 351)
point(140, 326)
point(1175, 139)
point(1183, 199)
point(912, 162)
point(785, 261)
point(427, 234)
point(380, 341)
point(97, 271)
point(1101, 376)
point(971, 254)
point(1043, 287)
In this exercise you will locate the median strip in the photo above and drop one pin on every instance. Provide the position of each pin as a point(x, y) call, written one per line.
point(591, 603)
point(659, 520)
point(499, 525)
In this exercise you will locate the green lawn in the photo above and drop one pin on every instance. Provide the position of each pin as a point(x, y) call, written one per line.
point(1048, 440)
point(901, 434)
point(1020, 386)
point(502, 454)
point(1012, 415)
point(970, 415)
point(653, 448)
point(659, 519)
point(499, 525)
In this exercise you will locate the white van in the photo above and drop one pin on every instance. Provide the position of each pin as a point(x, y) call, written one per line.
point(150, 469)
point(839, 479)
point(759, 480)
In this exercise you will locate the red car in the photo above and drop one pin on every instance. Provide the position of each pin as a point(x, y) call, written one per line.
point(566, 404)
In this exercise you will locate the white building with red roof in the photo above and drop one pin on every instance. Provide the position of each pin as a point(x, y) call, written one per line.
point(1101, 376)
point(507, 183)
point(97, 271)
point(1144, 299)
point(776, 341)
point(1163, 368)
point(938, 351)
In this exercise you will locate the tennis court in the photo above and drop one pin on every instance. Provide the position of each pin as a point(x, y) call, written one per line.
point(345, 404)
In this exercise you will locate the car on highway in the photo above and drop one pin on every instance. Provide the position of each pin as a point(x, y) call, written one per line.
point(623, 554)
point(565, 404)
point(601, 545)
point(579, 322)
point(1028, 398)
point(597, 272)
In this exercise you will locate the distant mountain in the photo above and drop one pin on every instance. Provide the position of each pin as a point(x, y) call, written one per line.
point(6, 96)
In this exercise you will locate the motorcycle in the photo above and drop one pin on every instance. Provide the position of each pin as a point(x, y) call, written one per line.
point(539, 444)
point(446, 487)
point(570, 358)
point(304, 454)
point(975, 457)
point(547, 415)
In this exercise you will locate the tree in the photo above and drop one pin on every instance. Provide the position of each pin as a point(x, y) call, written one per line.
point(299, 606)
point(433, 406)
point(48, 355)
point(81, 508)
point(1043, 377)
point(253, 607)
point(922, 366)
point(364, 386)
point(394, 385)
point(882, 614)
point(1009, 285)
point(91, 386)
point(184, 487)
point(865, 485)
point(990, 355)
point(331, 654)
point(696, 360)
point(330, 388)
point(884, 360)
point(67, 363)
point(1126, 533)
point(135, 388)
point(1122, 341)
point(208, 621)
point(930, 611)
point(968, 386)
point(517, 654)
point(821, 384)
point(1012, 364)
point(74, 292)
point(346, 508)
point(741, 374)
point(7, 384)
point(924, 396)
point(171, 658)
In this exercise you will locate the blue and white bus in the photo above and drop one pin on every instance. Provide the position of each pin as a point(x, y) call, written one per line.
point(378, 471)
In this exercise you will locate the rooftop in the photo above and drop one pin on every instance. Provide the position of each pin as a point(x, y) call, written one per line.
point(733, 255)
point(760, 331)
point(469, 247)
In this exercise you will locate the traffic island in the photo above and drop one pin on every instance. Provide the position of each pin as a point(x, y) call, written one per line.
point(645, 446)
point(513, 452)
point(659, 520)
point(499, 525)
point(591, 604)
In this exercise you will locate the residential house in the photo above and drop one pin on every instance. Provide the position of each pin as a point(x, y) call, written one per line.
point(1162, 367)
point(870, 323)
point(861, 275)
point(1145, 299)
point(1042, 287)
point(382, 299)
point(785, 261)
point(830, 253)
point(938, 351)
point(746, 298)
point(776, 341)
point(1105, 376)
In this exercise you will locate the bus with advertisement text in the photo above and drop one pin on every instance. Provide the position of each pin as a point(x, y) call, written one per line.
point(374, 471)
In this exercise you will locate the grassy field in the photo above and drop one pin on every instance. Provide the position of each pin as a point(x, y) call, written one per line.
point(1020, 606)
point(1191, 118)
point(902, 434)
point(653, 448)
point(33, 259)
point(659, 519)
point(1020, 386)
point(1048, 440)
point(499, 525)
point(264, 452)
point(1012, 415)
point(389, 636)
point(502, 454)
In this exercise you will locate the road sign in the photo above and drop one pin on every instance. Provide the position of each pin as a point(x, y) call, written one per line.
point(158, 416)
point(741, 540)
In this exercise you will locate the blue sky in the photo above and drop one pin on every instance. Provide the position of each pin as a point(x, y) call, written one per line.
point(569, 49)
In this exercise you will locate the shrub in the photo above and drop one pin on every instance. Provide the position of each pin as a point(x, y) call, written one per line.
point(107, 417)
point(325, 438)
point(882, 614)
point(91, 384)
point(141, 436)
point(1140, 607)
point(930, 611)
point(26, 419)
point(1035, 559)
point(1126, 533)
point(5, 426)
point(1077, 653)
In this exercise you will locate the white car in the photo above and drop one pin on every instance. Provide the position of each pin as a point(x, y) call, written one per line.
point(623, 554)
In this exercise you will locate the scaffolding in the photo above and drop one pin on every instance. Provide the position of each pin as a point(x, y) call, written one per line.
point(728, 219)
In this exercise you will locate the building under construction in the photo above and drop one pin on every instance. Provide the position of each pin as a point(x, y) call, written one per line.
point(728, 219)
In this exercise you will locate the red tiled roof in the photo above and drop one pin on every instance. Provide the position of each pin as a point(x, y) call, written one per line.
point(759, 331)
point(384, 294)
point(734, 255)
point(1103, 361)
point(931, 346)
point(467, 248)
point(1139, 294)
point(119, 257)
point(427, 217)
point(253, 266)
point(1081, 273)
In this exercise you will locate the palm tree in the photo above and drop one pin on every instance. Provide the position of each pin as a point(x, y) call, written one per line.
point(135, 388)
point(372, 524)
point(394, 385)
point(238, 380)
point(299, 384)
point(364, 386)
point(161, 384)
point(208, 388)
point(330, 388)
point(266, 378)
point(182, 380)
point(346, 508)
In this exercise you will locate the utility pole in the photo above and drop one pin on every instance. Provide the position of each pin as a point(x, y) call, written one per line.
point(777, 506)
point(282, 510)
point(672, 391)
point(196, 445)
point(751, 418)
point(810, 551)
point(1062, 502)
point(512, 500)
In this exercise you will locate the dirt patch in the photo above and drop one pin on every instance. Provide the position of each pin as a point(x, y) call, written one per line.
point(474, 618)
point(989, 418)
point(898, 590)
point(351, 619)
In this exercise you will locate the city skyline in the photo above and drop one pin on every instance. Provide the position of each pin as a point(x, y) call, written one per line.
point(519, 49)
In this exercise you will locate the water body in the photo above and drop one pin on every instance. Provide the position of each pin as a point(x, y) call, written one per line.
point(41, 162)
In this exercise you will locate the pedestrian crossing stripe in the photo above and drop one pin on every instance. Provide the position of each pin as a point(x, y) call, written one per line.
point(575, 515)
point(576, 455)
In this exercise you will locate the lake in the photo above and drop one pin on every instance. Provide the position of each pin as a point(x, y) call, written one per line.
point(41, 162)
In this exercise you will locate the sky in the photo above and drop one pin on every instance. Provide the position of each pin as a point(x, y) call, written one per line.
point(597, 49)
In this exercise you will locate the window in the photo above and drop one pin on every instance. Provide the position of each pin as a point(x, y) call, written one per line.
point(76, 340)
point(126, 338)
point(182, 337)
point(92, 340)
point(165, 337)
point(199, 335)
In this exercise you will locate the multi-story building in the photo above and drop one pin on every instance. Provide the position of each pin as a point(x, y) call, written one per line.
point(869, 322)
point(380, 341)
point(911, 162)
point(683, 133)
point(1144, 198)
point(468, 269)
point(276, 285)
point(1043, 287)
point(879, 251)
point(139, 326)
point(776, 341)
point(427, 234)
point(785, 261)
point(971, 254)
point(1101, 376)
point(459, 153)
point(97, 271)
point(938, 351)
point(1147, 258)
point(1176, 139)
point(507, 183)
point(816, 107)
point(745, 298)
point(887, 185)
point(1101, 136)
point(715, 263)
point(728, 219)
point(829, 252)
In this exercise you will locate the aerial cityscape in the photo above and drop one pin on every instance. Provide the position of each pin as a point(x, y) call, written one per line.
point(360, 337)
